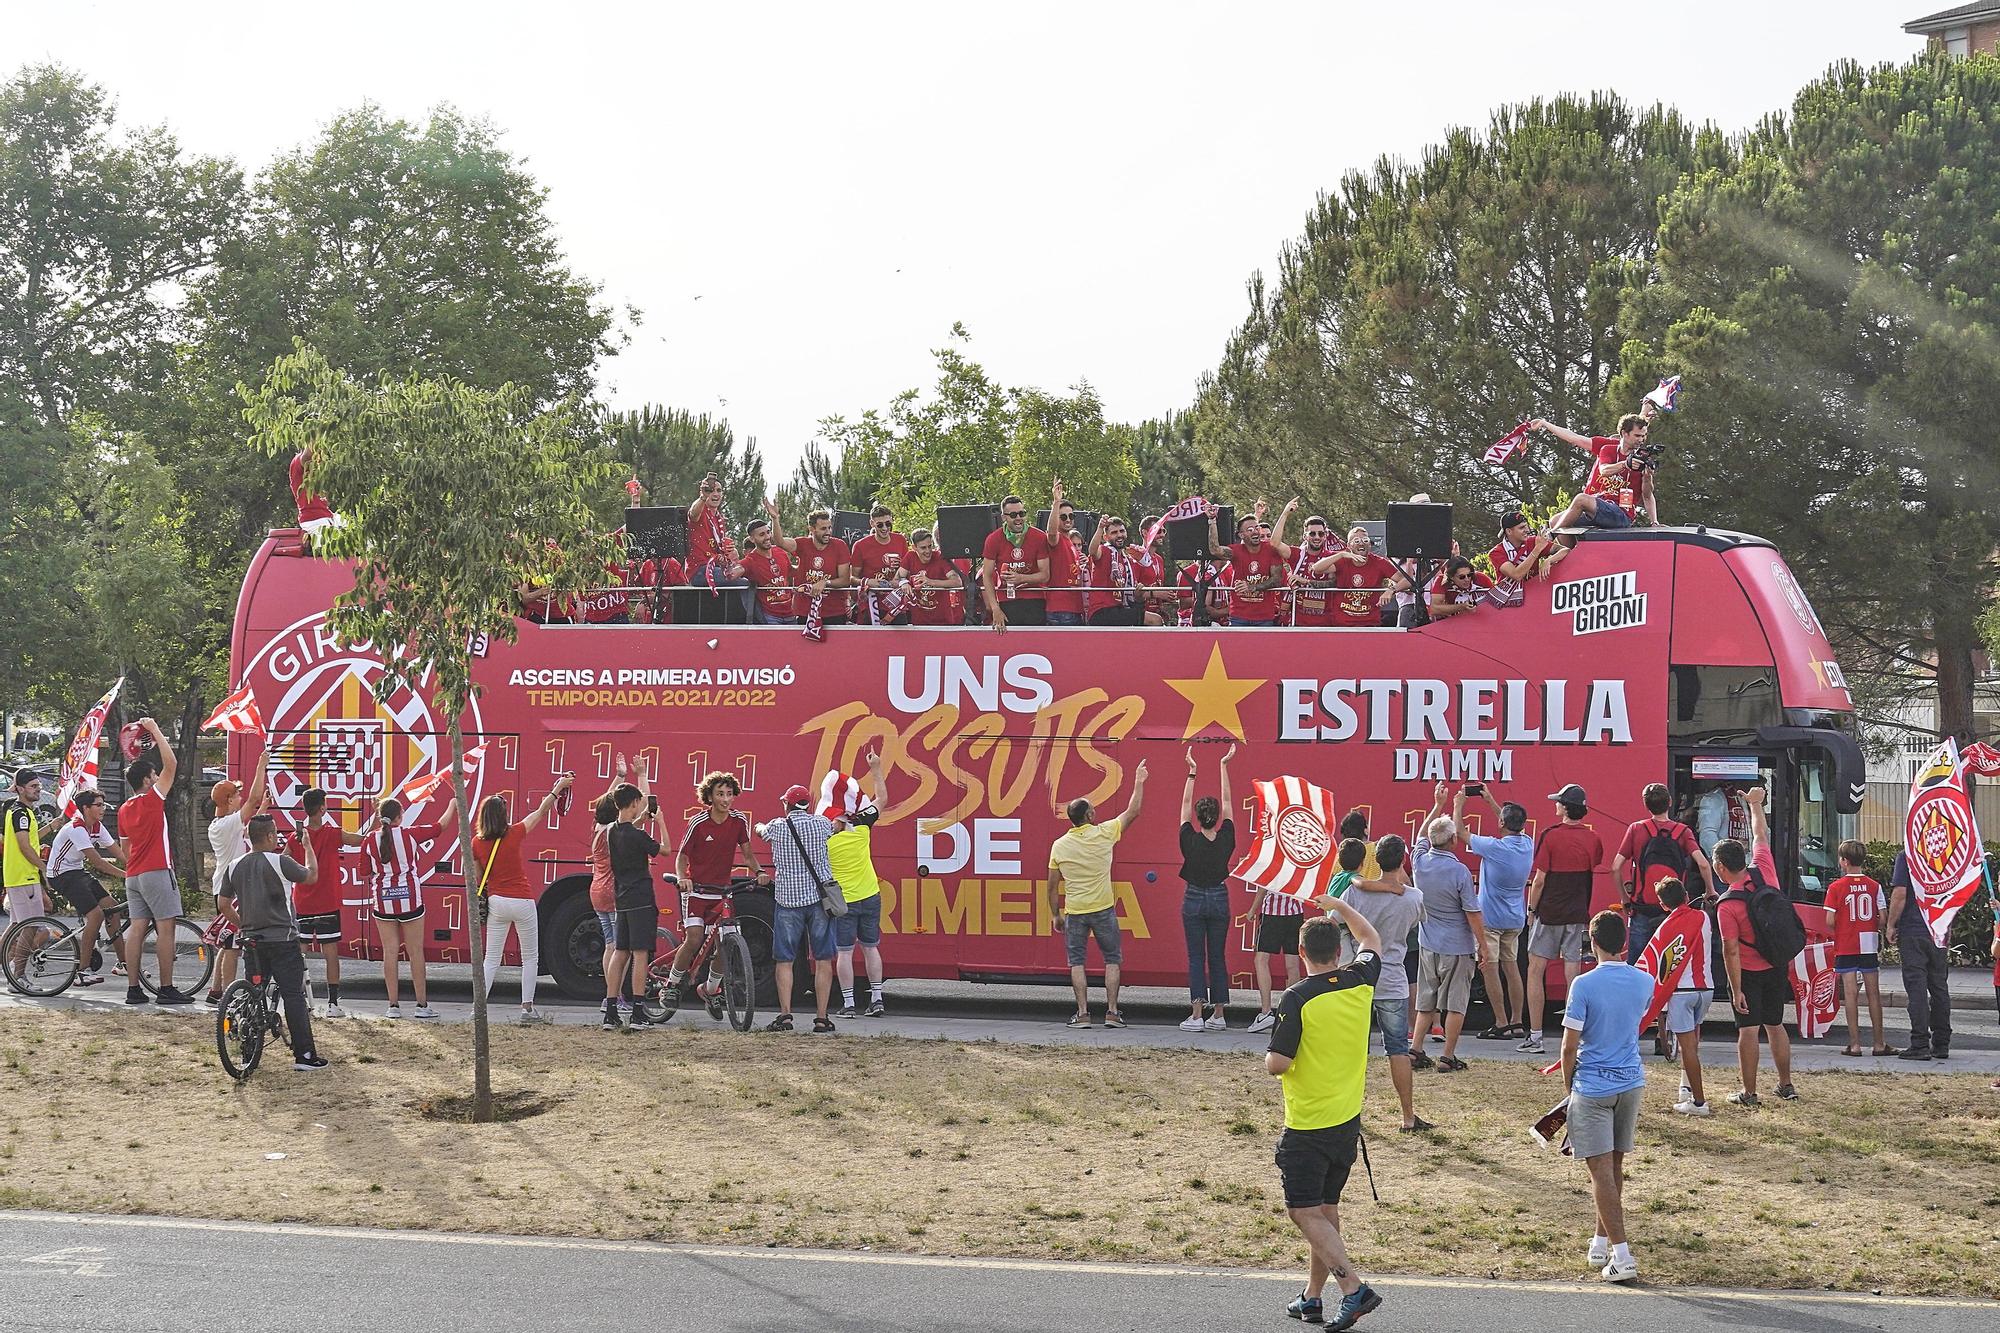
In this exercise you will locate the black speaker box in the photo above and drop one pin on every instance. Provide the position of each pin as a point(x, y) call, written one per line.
point(1187, 538)
point(962, 530)
point(1418, 532)
point(657, 531)
point(1086, 524)
point(849, 526)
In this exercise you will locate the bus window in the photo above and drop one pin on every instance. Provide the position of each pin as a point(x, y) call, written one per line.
point(1707, 701)
point(1819, 828)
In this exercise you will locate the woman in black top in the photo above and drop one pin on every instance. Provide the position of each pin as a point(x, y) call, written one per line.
point(1208, 844)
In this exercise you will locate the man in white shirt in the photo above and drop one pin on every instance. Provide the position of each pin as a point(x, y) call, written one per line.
point(226, 838)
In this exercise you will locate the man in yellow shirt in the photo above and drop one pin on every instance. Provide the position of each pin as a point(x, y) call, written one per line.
point(1080, 897)
point(850, 855)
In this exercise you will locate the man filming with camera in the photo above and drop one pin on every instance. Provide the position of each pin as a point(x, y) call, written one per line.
point(1621, 476)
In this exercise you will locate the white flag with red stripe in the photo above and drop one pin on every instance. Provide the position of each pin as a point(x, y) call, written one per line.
point(418, 790)
point(238, 712)
point(1504, 448)
point(1813, 987)
point(1946, 860)
point(1293, 850)
point(1192, 507)
point(80, 764)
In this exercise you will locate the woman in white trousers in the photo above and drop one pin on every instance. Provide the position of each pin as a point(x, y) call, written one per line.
point(499, 878)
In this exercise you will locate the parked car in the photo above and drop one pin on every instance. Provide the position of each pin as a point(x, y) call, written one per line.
point(45, 806)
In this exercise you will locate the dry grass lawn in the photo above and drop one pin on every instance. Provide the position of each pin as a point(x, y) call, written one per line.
point(1869, 1182)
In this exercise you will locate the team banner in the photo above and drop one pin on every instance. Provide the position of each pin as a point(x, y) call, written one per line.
point(1192, 507)
point(1507, 445)
point(1669, 955)
point(1667, 394)
point(418, 791)
point(236, 713)
point(1293, 851)
point(840, 795)
point(1982, 759)
point(1941, 841)
point(80, 764)
point(1813, 988)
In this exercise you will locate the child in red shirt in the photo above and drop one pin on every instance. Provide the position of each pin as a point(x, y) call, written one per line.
point(1855, 906)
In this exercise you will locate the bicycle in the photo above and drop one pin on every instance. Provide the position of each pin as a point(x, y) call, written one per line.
point(249, 1013)
point(52, 967)
point(194, 957)
point(724, 939)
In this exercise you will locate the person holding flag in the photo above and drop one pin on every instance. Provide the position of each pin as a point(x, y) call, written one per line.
point(1680, 957)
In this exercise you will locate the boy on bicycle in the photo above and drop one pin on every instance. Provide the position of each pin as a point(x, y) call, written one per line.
point(263, 908)
point(79, 849)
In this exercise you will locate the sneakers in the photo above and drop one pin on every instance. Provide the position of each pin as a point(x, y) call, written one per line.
point(137, 995)
point(393, 1010)
point(1787, 1093)
point(1264, 1021)
point(847, 1011)
point(1689, 1106)
point(713, 1001)
point(1621, 1272)
point(424, 1011)
point(334, 1011)
point(611, 1023)
point(1745, 1099)
point(670, 995)
point(1079, 1020)
point(1599, 1253)
point(1940, 1052)
point(782, 1023)
point(534, 1018)
point(1193, 1024)
point(1421, 1060)
point(1353, 1307)
point(638, 1020)
point(1307, 1309)
point(307, 1064)
point(1215, 1023)
point(1113, 1019)
point(171, 995)
point(822, 1026)
point(1914, 1053)
point(1532, 1045)
point(1686, 1093)
point(212, 999)
point(874, 1010)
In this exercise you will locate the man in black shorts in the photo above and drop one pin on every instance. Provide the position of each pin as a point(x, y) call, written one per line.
point(1319, 1049)
point(80, 848)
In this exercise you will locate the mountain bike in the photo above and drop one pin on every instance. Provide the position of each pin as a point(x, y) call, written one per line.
point(249, 1014)
point(724, 942)
point(53, 966)
point(194, 957)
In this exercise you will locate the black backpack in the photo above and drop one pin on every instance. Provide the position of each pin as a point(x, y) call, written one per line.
point(1774, 924)
point(1662, 857)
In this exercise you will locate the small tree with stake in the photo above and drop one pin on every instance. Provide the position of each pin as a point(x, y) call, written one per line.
point(451, 498)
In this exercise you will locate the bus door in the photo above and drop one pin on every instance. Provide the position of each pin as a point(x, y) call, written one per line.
point(1810, 798)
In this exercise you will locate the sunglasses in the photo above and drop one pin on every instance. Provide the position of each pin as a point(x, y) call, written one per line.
point(883, 526)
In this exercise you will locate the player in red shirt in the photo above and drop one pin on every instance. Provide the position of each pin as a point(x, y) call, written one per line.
point(714, 845)
point(1458, 590)
point(1360, 579)
point(151, 892)
point(878, 565)
point(769, 568)
point(1619, 489)
point(1258, 562)
point(820, 563)
point(935, 584)
point(1757, 990)
point(1519, 556)
point(1117, 594)
point(1014, 568)
point(712, 562)
point(1855, 907)
point(1310, 602)
point(1063, 599)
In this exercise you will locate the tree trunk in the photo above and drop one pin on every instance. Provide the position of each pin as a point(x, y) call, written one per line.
point(475, 926)
point(190, 827)
point(1956, 637)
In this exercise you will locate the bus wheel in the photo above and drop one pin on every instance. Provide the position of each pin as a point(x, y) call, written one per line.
point(573, 948)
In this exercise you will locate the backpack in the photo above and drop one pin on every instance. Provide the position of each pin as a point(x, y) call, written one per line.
point(1662, 857)
point(1774, 924)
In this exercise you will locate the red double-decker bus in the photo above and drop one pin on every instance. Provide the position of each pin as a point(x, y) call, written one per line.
point(1684, 656)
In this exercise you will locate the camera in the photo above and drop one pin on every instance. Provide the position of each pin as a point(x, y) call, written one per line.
point(1646, 457)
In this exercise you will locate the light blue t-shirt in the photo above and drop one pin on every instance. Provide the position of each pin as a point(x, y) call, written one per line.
point(1503, 878)
point(1605, 1005)
point(1447, 889)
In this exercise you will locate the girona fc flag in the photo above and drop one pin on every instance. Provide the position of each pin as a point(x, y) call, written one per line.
point(1941, 841)
point(1813, 989)
point(80, 764)
point(419, 790)
point(1677, 956)
point(236, 713)
point(1293, 851)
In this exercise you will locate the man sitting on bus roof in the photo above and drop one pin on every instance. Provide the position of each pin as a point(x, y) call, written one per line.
point(1620, 487)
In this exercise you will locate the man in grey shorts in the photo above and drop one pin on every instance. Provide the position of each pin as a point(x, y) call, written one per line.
point(1394, 909)
point(1451, 941)
point(1601, 1066)
point(151, 892)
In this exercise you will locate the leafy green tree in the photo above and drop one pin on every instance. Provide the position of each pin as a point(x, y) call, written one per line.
point(1832, 297)
point(670, 450)
point(1429, 307)
point(849, 478)
point(520, 481)
point(1067, 437)
point(1169, 467)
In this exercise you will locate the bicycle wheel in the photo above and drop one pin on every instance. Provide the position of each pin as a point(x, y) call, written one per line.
point(739, 991)
point(193, 960)
point(47, 969)
point(239, 1029)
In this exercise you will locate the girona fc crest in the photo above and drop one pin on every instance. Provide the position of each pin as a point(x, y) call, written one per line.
point(1942, 840)
point(1302, 835)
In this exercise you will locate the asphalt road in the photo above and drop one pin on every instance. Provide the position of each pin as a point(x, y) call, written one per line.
point(112, 1274)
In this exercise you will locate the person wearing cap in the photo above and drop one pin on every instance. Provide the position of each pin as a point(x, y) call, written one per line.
point(234, 807)
point(78, 850)
point(803, 876)
point(22, 858)
point(1567, 856)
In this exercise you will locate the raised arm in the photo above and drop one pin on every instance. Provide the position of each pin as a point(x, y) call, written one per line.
point(878, 776)
point(1138, 797)
point(1562, 433)
point(170, 763)
point(1215, 546)
point(1187, 790)
point(450, 815)
point(541, 812)
point(1227, 755)
point(1360, 927)
point(253, 799)
point(1277, 538)
point(778, 537)
point(311, 862)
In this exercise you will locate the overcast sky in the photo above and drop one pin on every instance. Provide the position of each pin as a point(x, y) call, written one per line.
point(801, 198)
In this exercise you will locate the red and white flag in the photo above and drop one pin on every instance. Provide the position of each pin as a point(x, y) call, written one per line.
point(1293, 850)
point(1192, 507)
point(236, 713)
point(840, 796)
point(1677, 956)
point(80, 764)
point(1982, 759)
point(1941, 841)
point(1507, 445)
point(418, 790)
point(1814, 988)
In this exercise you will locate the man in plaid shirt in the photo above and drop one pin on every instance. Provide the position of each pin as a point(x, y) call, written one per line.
point(799, 867)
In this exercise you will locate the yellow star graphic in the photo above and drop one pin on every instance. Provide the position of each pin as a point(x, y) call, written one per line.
point(1214, 697)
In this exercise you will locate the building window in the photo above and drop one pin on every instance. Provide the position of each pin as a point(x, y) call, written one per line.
point(1958, 41)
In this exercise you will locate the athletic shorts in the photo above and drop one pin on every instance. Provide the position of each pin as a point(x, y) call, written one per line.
point(26, 900)
point(1858, 964)
point(80, 889)
point(863, 923)
point(320, 929)
point(1025, 611)
point(414, 914)
point(1546, 941)
point(699, 909)
point(637, 929)
point(1392, 1020)
point(1598, 1125)
point(1314, 1163)
point(1279, 934)
point(1444, 982)
point(1766, 989)
point(152, 895)
point(1685, 1010)
point(1079, 927)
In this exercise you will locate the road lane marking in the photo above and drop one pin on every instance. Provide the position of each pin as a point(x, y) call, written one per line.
point(1054, 1266)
